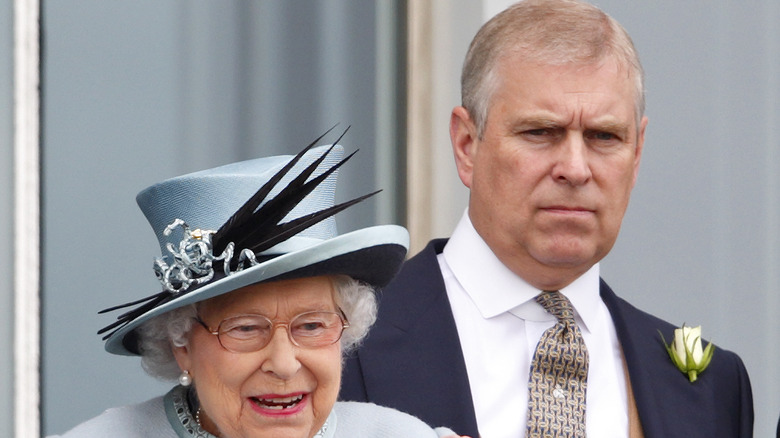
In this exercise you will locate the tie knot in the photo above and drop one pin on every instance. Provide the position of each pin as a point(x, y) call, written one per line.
point(556, 304)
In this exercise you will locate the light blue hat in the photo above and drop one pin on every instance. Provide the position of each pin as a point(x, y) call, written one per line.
point(244, 223)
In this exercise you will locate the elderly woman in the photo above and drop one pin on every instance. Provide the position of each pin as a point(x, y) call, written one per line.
point(260, 301)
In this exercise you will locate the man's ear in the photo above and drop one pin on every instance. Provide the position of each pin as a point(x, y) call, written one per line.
point(640, 146)
point(463, 135)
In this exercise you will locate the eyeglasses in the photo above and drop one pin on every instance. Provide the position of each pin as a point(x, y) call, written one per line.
point(249, 333)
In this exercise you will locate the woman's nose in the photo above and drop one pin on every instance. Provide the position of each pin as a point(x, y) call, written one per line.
point(281, 358)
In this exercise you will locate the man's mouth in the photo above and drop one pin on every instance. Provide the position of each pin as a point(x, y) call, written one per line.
point(278, 403)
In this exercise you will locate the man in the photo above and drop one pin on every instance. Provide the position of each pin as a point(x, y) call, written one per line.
point(549, 141)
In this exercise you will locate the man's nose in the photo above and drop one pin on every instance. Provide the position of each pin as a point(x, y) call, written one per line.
point(572, 166)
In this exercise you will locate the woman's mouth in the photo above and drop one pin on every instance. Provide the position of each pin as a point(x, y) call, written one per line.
point(277, 403)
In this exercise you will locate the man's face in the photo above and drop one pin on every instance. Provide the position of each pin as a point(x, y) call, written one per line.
point(551, 178)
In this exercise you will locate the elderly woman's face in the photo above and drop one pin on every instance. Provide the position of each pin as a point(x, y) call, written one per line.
point(280, 391)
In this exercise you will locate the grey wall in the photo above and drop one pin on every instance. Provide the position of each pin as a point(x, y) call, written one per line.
point(700, 243)
point(136, 92)
point(6, 217)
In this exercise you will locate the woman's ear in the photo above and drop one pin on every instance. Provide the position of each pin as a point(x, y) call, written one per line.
point(182, 355)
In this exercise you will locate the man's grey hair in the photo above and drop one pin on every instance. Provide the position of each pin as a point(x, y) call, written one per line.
point(553, 32)
point(158, 335)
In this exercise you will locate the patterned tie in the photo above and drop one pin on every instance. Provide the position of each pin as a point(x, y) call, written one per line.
point(559, 375)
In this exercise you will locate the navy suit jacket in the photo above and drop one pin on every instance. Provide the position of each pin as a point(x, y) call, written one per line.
point(412, 361)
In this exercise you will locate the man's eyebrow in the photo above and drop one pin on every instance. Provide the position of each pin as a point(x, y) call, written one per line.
point(620, 128)
point(535, 122)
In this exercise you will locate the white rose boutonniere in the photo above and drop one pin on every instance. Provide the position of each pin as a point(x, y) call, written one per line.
point(687, 353)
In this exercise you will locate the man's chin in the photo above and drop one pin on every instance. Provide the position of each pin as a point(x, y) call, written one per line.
point(578, 261)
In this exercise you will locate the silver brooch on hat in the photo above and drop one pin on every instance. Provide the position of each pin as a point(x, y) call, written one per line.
point(192, 263)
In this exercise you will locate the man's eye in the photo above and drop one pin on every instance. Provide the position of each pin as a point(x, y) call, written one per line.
point(602, 136)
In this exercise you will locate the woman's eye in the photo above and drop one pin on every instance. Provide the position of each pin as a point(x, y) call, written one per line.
point(309, 328)
point(245, 327)
point(245, 331)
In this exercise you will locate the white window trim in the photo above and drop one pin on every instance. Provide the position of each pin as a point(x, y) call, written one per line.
point(26, 218)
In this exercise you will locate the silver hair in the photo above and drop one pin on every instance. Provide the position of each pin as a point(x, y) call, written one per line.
point(158, 335)
point(554, 32)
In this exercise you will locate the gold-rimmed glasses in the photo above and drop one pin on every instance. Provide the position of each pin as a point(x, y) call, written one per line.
point(251, 332)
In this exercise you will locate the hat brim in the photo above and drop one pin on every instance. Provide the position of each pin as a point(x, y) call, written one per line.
point(372, 255)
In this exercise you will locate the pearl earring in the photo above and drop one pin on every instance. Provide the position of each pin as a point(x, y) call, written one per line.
point(185, 379)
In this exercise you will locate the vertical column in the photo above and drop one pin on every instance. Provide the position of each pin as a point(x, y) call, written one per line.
point(419, 123)
point(26, 218)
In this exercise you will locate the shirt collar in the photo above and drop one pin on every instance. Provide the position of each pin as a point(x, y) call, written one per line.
point(495, 289)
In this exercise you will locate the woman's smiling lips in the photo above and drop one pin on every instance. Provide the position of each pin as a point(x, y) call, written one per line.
point(279, 405)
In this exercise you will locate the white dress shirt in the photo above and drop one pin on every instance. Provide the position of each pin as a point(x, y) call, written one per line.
point(500, 323)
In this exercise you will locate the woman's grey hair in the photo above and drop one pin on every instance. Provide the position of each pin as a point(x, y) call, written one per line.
point(158, 335)
point(554, 32)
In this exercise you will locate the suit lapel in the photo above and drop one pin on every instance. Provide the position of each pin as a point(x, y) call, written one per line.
point(643, 353)
point(424, 346)
point(668, 404)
